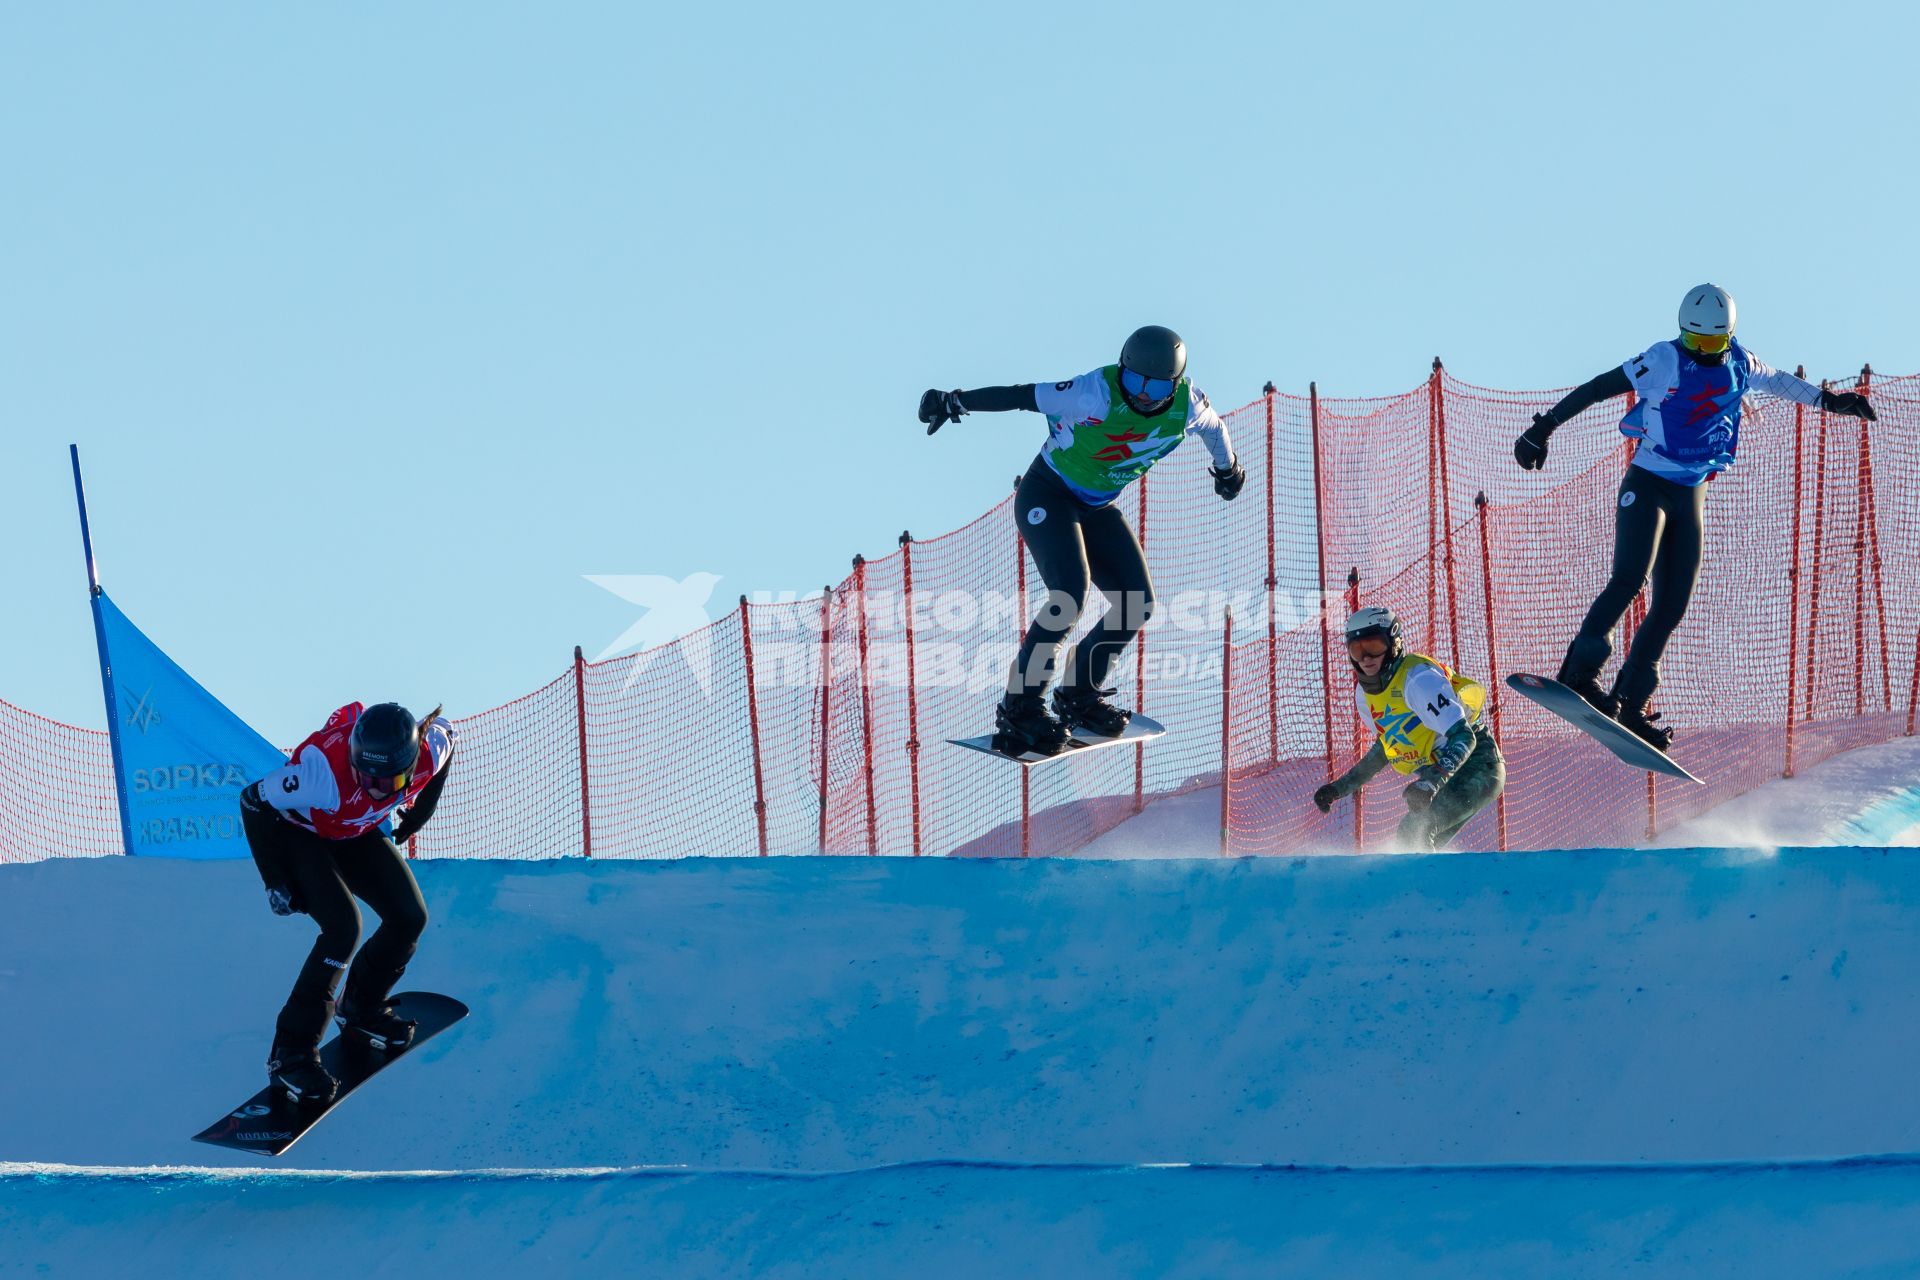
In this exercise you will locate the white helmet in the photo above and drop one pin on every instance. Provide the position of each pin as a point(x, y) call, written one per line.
point(1373, 620)
point(1708, 309)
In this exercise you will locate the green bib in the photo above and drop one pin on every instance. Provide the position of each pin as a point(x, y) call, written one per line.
point(1100, 457)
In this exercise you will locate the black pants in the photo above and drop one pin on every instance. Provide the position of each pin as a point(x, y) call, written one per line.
point(1076, 546)
point(325, 876)
point(1657, 538)
point(1478, 784)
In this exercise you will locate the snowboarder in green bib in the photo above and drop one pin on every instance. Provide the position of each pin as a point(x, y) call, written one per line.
point(1105, 429)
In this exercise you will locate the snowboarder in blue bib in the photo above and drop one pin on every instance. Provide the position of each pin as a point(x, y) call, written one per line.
point(1105, 429)
point(1686, 420)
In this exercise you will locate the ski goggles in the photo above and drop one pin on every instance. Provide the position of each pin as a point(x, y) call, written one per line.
point(1141, 387)
point(1711, 344)
point(1369, 647)
point(379, 788)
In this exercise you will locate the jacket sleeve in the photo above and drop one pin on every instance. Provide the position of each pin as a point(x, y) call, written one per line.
point(1605, 386)
point(1363, 770)
point(1000, 399)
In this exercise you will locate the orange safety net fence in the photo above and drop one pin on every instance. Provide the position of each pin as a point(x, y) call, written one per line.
point(817, 725)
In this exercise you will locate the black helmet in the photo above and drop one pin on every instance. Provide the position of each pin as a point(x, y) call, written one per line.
point(384, 747)
point(1153, 354)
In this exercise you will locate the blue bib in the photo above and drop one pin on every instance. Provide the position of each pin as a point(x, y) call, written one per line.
point(1697, 427)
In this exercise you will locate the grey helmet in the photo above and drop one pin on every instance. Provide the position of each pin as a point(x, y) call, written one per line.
point(1376, 620)
point(1153, 354)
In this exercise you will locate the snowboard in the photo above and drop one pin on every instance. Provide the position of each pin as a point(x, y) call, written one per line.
point(267, 1123)
point(1615, 737)
point(1139, 729)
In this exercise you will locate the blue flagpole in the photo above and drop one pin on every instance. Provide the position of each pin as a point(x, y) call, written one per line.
point(106, 663)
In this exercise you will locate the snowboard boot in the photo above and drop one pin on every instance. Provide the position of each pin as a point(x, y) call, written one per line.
point(1023, 723)
point(373, 1025)
point(297, 1072)
point(1585, 681)
point(1085, 707)
point(1639, 721)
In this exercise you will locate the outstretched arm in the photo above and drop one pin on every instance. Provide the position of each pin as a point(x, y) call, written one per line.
point(937, 408)
point(1353, 779)
point(1530, 450)
point(1778, 382)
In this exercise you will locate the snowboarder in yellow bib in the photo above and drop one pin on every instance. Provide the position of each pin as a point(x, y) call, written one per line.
point(1431, 725)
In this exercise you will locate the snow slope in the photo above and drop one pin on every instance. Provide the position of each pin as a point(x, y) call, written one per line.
point(1870, 795)
point(809, 1016)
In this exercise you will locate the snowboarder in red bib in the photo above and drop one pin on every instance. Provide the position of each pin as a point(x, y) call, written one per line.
point(1686, 419)
point(314, 826)
point(1105, 429)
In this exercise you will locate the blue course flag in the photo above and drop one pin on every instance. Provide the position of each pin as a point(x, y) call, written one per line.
point(181, 757)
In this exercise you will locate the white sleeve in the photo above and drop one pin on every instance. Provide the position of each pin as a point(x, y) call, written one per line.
point(437, 737)
point(1762, 376)
point(1074, 401)
point(1653, 371)
point(303, 785)
point(1431, 696)
point(1202, 421)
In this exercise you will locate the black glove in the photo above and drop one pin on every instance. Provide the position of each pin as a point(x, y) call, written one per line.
point(1228, 483)
point(404, 827)
point(281, 900)
point(1324, 797)
point(938, 408)
point(1419, 796)
point(1850, 403)
point(1530, 450)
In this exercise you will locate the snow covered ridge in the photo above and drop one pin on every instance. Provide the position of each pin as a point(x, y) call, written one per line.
point(968, 1221)
point(830, 1066)
point(821, 1014)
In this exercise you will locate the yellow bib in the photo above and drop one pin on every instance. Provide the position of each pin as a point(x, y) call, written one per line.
point(1408, 742)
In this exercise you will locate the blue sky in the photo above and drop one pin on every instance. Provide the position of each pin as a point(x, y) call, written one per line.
point(379, 326)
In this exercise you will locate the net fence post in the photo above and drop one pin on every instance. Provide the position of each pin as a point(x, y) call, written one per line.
point(1493, 661)
point(826, 703)
point(1140, 668)
point(580, 727)
point(1226, 735)
point(1446, 508)
point(866, 699)
point(1019, 635)
point(1320, 553)
point(1819, 559)
point(1432, 644)
point(1913, 690)
point(1359, 797)
point(1273, 585)
point(913, 689)
point(1872, 504)
point(1793, 570)
point(753, 726)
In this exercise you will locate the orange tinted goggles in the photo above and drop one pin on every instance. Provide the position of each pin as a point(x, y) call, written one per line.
point(1706, 343)
point(1371, 647)
point(381, 788)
